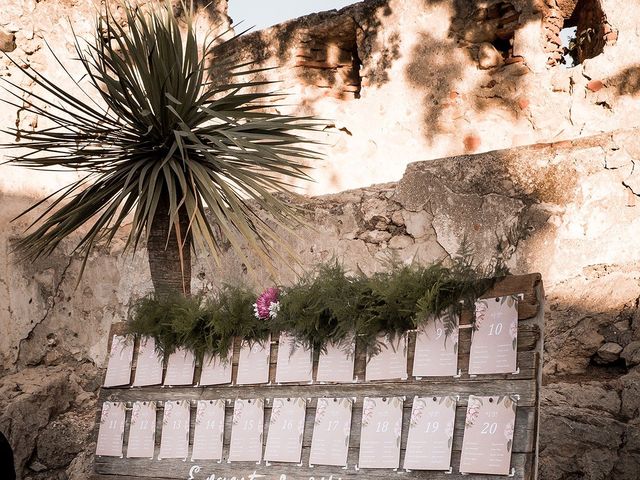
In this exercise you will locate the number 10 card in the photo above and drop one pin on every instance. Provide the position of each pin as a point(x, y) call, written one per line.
point(494, 345)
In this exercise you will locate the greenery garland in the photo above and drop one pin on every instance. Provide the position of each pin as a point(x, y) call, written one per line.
point(326, 306)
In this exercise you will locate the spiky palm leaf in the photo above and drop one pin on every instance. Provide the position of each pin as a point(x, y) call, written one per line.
point(164, 141)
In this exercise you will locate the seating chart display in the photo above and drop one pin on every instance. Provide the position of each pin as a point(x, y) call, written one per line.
point(446, 401)
point(331, 432)
point(436, 353)
point(286, 430)
point(180, 368)
point(488, 435)
point(295, 363)
point(120, 358)
point(111, 429)
point(208, 436)
point(391, 361)
point(216, 370)
point(142, 431)
point(149, 366)
point(253, 364)
point(337, 363)
point(175, 429)
point(495, 336)
point(381, 432)
point(430, 436)
point(247, 431)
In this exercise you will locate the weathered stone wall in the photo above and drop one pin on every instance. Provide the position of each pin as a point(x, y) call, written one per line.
point(422, 79)
point(561, 209)
point(405, 81)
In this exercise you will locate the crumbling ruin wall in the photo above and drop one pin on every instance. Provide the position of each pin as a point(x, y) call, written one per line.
point(404, 80)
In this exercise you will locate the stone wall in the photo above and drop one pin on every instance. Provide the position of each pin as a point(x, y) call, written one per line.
point(404, 81)
point(561, 209)
point(415, 80)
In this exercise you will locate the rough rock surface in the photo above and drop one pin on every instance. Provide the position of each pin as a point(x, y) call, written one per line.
point(48, 414)
point(403, 83)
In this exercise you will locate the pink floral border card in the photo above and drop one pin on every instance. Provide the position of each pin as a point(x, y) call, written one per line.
point(381, 432)
point(286, 430)
point(208, 436)
point(120, 358)
point(295, 362)
point(253, 363)
point(216, 370)
point(336, 363)
point(174, 442)
point(142, 431)
point(111, 431)
point(494, 344)
point(436, 352)
point(180, 368)
point(430, 436)
point(247, 431)
point(391, 360)
point(331, 432)
point(149, 366)
point(488, 435)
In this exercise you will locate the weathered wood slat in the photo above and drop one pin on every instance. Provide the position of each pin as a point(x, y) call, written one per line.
point(410, 388)
point(168, 468)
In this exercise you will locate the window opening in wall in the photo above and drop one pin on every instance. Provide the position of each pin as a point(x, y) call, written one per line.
point(583, 34)
point(568, 38)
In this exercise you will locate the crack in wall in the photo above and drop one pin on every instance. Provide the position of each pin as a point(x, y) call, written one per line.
point(51, 303)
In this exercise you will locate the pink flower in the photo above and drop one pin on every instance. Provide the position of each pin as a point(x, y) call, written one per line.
point(267, 304)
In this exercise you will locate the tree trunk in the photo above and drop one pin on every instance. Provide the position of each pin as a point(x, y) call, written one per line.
point(170, 275)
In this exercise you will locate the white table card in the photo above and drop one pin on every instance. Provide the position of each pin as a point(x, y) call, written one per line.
point(430, 433)
point(111, 432)
point(286, 429)
point(246, 430)
point(391, 362)
point(495, 337)
point(149, 366)
point(120, 358)
point(174, 442)
point(216, 370)
point(488, 435)
point(336, 364)
point(295, 363)
point(253, 364)
point(331, 432)
point(142, 431)
point(180, 368)
point(208, 435)
point(381, 432)
point(436, 352)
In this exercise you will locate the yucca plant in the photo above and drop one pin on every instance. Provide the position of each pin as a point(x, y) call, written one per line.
point(163, 143)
